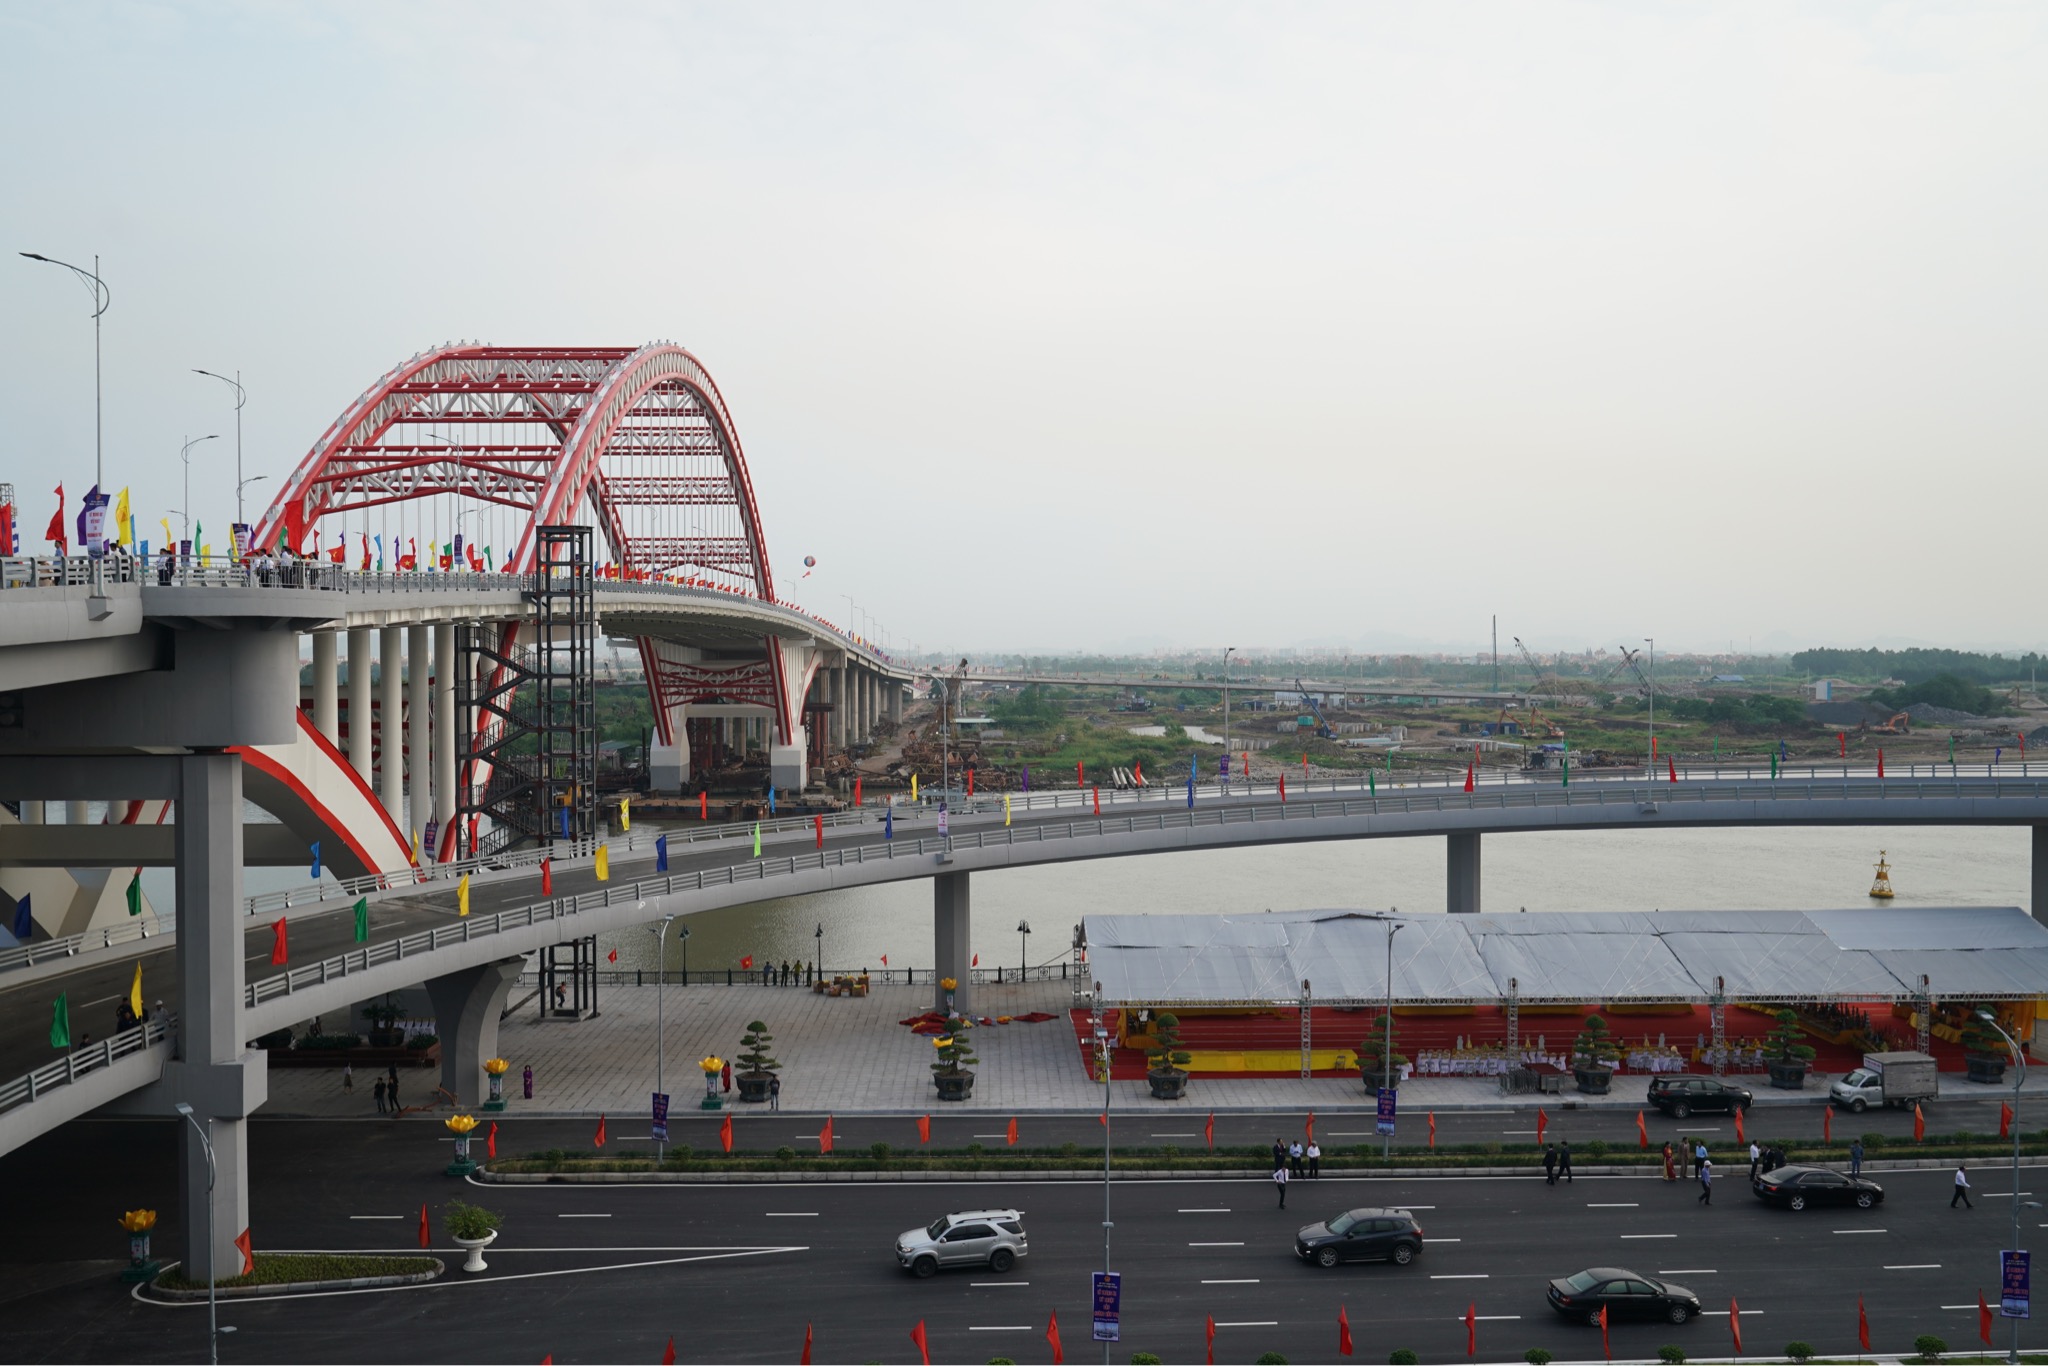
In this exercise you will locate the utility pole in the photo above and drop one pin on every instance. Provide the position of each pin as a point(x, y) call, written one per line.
point(1496, 652)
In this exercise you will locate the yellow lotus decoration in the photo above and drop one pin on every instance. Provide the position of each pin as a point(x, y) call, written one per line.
point(949, 983)
point(709, 1065)
point(460, 1124)
point(941, 1040)
point(497, 1067)
point(138, 1220)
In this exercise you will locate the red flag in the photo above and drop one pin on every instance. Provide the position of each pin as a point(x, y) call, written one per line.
point(1983, 1319)
point(1343, 1332)
point(668, 1355)
point(704, 814)
point(1211, 1321)
point(600, 1131)
point(924, 1128)
point(1735, 1324)
point(1880, 763)
point(917, 1336)
point(1310, 1128)
point(549, 1359)
point(278, 955)
point(1209, 1131)
point(977, 961)
point(1672, 764)
point(820, 822)
point(1283, 797)
point(612, 957)
point(1139, 771)
point(1642, 1131)
point(472, 833)
point(1432, 1130)
point(56, 530)
point(725, 1133)
point(885, 960)
point(970, 782)
point(1472, 1327)
point(1468, 777)
point(1842, 738)
point(1827, 1124)
point(1080, 774)
point(747, 962)
point(547, 878)
point(1098, 799)
point(1052, 1335)
point(856, 792)
point(339, 552)
point(1740, 1137)
point(1013, 1131)
point(1605, 1350)
point(426, 1236)
point(2004, 1120)
point(1862, 1325)
point(248, 1254)
point(825, 1136)
point(806, 1359)
point(1542, 1123)
point(491, 1141)
point(1919, 1124)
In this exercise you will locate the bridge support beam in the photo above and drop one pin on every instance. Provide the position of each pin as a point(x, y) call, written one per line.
point(418, 743)
point(1461, 881)
point(446, 741)
point(361, 730)
point(466, 1009)
point(786, 767)
point(326, 697)
point(952, 941)
point(2039, 901)
point(390, 728)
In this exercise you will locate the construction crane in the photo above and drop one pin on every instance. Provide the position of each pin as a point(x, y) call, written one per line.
point(1324, 730)
point(949, 705)
point(1539, 723)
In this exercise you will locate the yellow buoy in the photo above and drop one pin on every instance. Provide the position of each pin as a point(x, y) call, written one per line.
point(1882, 888)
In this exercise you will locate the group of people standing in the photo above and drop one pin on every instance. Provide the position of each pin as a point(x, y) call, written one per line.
point(1296, 1159)
point(385, 1090)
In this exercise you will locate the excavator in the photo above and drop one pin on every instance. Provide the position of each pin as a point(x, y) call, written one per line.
point(1897, 724)
point(1324, 730)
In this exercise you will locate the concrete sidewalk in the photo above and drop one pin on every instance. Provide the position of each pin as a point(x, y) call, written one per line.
point(849, 1056)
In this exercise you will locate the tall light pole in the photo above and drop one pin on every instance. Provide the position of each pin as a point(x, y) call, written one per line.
point(241, 397)
point(241, 484)
point(101, 297)
point(1651, 641)
point(2019, 1058)
point(1023, 948)
point(1226, 707)
point(1394, 927)
point(186, 456)
point(820, 962)
point(212, 1294)
point(660, 1018)
point(1102, 1051)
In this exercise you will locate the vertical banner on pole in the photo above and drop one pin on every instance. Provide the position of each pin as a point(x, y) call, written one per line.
point(1108, 1301)
point(2014, 1278)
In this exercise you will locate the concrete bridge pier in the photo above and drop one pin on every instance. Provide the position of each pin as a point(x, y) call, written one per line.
point(361, 724)
point(390, 729)
point(466, 1009)
point(326, 699)
point(2038, 905)
point(446, 742)
point(418, 737)
point(1461, 880)
point(952, 941)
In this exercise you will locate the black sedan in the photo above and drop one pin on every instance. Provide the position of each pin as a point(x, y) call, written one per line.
point(1361, 1235)
point(1623, 1294)
point(1798, 1187)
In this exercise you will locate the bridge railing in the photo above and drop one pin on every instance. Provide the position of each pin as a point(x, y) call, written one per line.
point(1217, 816)
point(80, 1061)
point(62, 571)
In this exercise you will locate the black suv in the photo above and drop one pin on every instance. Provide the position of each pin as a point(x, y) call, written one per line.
point(1681, 1094)
point(1361, 1235)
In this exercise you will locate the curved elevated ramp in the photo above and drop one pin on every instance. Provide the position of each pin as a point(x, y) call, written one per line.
point(314, 792)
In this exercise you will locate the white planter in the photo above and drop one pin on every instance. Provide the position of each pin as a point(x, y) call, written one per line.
point(476, 1248)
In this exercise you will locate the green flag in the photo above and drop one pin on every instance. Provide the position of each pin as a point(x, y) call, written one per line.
point(362, 919)
point(60, 1024)
point(135, 894)
point(1372, 783)
point(757, 839)
point(1774, 763)
point(1565, 763)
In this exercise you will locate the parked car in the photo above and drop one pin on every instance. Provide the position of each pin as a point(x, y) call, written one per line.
point(992, 1238)
point(1624, 1295)
point(1798, 1187)
point(1361, 1235)
point(1681, 1094)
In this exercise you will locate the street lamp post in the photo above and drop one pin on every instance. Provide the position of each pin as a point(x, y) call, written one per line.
point(241, 397)
point(1651, 641)
point(683, 937)
point(1023, 948)
point(1226, 709)
point(660, 1016)
point(212, 1296)
point(186, 456)
point(2019, 1058)
point(1102, 1051)
point(241, 484)
point(101, 297)
point(1394, 927)
point(819, 962)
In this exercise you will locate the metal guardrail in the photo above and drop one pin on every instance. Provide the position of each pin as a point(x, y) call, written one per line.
point(764, 869)
point(751, 978)
point(65, 571)
point(80, 1061)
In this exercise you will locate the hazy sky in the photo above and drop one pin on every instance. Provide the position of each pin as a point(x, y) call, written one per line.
point(1121, 325)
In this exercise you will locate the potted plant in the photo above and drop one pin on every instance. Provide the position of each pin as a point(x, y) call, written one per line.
point(474, 1229)
point(1789, 1056)
point(1167, 1059)
point(384, 1016)
point(1376, 1066)
point(950, 1072)
point(1591, 1051)
point(757, 1068)
point(1983, 1051)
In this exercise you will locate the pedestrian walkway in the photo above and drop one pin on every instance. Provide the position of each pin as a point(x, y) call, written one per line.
point(849, 1055)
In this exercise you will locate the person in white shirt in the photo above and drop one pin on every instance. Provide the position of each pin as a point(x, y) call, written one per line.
point(1756, 1157)
point(1280, 1182)
point(1962, 1187)
point(1315, 1160)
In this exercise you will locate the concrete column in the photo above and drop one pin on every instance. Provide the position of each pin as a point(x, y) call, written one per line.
point(78, 813)
point(1462, 874)
point(870, 697)
point(2039, 904)
point(952, 941)
point(210, 1072)
point(834, 680)
point(787, 768)
point(32, 811)
point(893, 692)
point(446, 741)
point(419, 709)
point(466, 1009)
point(360, 753)
point(326, 704)
point(390, 725)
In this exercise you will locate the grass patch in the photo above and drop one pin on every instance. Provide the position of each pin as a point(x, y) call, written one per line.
point(298, 1268)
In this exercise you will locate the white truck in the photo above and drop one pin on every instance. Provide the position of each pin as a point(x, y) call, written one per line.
point(1896, 1079)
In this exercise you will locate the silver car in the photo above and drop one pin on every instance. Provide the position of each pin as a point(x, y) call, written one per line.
point(993, 1238)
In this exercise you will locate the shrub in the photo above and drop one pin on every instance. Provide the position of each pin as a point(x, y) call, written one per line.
point(420, 1043)
point(754, 1059)
point(1671, 1355)
point(1786, 1045)
point(975, 1150)
point(1166, 1052)
point(1269, 1359)
point(1799, 1351)
point(1536, 1356)
point(1001, 1361)
point(1069, 1149)
point(1402, 1356)
point(1595, 1045)
point(680, 1152)
point(879, 1151)
point(1146, 1359)
point(785, 1154)
point(1596, 1147)
point(1929, 1347)
point(1372, 1050)
point(464, 1220)
point(1873, 1140)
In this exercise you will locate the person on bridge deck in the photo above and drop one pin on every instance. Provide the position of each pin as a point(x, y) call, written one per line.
point(1962, 1187)
point(1280, 1183)
point(1706, 1182)
point(1550, 1164)
point(1564, 1159)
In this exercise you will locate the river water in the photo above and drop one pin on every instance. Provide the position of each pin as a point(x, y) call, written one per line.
point(1596, 870)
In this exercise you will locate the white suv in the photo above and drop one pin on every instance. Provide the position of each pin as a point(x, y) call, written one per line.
point(993, 1238)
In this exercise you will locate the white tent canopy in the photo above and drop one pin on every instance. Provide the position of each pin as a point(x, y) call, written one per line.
point(1879, 954)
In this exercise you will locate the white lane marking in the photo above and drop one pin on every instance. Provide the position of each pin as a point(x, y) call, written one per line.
point(1649, 1235)
point(1215, 1244)
point(1747, 1312)
point(1856, 1230)
point(1165, 1135)
point(1619, 1204)
point(1689, 1271)
point(1352, 1133)
point(1001, 1135)
point(377, 1216)
point(1470, 1276)
point(104, 1000)
point(1443, 1240)
point(1518, 1131)
point(1994, 1194)
point(1001, 1327)
point(1252, 1281)
point(1408, 1207)
point(1915, 1266)
point(1251, 1323)
point(1485, 1318)
point(1003, 1284)
point(1959, 1306)
point(789, 1213)
point(1205, 1211)
point(583, 1216)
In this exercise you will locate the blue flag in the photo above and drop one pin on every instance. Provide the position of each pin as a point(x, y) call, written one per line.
point(1191, 791)
point(661, 854)
point(1027, 767)
point(771, 799)
point(563, 812)
point(24, 922)
point(888, 827)
point(316, 859)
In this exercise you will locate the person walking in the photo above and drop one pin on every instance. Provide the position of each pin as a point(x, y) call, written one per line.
point(1962, 1187)
point(1855, 1157)
point(1315, 1160)
point(1669, 1175)
point(1550, 1164)
point(775, 1093)
point(348, 1078)
point(1280, 1183)
point(1706, 1182)
point(1756, 1159)
point(1294, 1158)
point(378, 1092)
point(1564, 1160)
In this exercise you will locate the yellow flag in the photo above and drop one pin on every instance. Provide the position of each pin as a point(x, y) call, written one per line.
point(165, 523)
point(1006, 808)
point(625, 813)
point(415, 848)
point(121, 518)
point(205, 551)
point(462, 895)
point(913, 787)
point(604, 864)
point(135, 993)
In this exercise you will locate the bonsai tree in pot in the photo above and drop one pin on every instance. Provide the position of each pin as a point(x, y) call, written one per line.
point(756, 1067)
point(1590, 1052)
point(956, 1054)
point(1789, 1056)
point(1378, 1065)
point(1983, 1051)
point(1166, 1059)
point(473, 1228)
point(384, 1016)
